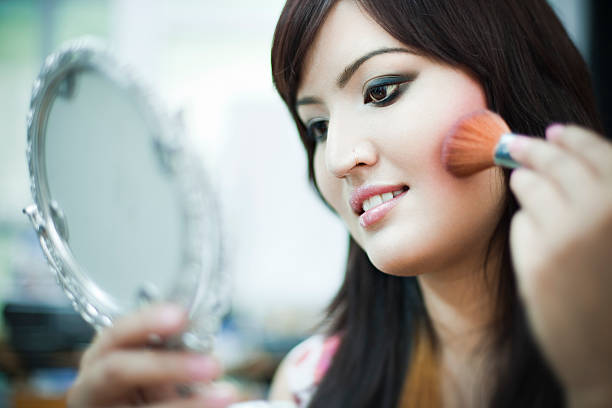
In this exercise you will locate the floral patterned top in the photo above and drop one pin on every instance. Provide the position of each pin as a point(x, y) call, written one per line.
point(307, 364)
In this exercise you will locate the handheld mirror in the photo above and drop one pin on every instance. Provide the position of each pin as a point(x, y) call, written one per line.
point(123, 212)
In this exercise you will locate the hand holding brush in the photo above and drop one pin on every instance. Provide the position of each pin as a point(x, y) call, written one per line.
point(561, 240)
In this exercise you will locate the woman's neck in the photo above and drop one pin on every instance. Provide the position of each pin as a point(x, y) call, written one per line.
point(461, 308)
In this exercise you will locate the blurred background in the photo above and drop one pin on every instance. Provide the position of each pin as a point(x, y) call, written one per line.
point(208, 60)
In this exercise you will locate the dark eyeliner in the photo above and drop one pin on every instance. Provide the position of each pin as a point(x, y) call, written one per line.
point(384, 81)
point(316, 129)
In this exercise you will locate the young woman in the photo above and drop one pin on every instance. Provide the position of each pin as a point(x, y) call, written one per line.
point(490, 290)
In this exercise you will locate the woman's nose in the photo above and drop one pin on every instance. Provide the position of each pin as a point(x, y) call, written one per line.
point(348, 147)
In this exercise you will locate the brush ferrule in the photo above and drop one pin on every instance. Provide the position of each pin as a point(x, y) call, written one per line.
point(501, 156)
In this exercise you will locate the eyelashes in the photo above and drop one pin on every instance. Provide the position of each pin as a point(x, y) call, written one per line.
point(379, 92)
point(316, 129)
point(382, 91)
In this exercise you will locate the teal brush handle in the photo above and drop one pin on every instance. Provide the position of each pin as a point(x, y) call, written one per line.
point(501, 156)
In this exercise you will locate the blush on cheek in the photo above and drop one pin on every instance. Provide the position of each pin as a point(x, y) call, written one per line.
point(473, 100)
point(437, 121)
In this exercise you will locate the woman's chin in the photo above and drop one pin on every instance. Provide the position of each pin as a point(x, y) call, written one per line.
point(403, 264)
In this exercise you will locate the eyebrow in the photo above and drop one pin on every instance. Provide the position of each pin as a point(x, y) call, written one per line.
point(308, 100)
point(348, 72)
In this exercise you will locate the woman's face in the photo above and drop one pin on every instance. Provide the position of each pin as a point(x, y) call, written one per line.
point(380, 113)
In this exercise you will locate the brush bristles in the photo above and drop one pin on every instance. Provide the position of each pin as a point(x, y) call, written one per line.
point(470, 145)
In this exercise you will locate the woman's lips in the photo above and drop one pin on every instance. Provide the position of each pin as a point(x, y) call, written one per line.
point(375, 214)
point(365, 192)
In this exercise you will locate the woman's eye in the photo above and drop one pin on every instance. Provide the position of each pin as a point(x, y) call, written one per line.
point(381, 93)
point(317, 129)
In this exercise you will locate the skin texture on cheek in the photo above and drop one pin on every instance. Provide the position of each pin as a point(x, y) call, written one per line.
point(450, 221)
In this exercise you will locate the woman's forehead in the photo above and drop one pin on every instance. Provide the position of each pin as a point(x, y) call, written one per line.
point(347, 34)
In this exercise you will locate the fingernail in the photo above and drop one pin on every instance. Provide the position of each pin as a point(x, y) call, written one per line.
point(221, 395)
point(170, 314)
point(202, 368)
point(554, 131)
point(517, 145)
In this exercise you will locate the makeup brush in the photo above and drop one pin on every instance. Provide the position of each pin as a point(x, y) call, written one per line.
point(478, 141)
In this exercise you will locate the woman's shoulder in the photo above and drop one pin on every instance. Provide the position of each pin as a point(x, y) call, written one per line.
point(303, 368)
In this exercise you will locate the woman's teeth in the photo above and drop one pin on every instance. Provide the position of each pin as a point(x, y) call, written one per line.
point(379, 199)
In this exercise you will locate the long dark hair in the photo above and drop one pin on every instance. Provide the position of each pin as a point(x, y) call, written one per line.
point(532, 75)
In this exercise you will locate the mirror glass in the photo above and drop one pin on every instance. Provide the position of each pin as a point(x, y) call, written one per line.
point(108, 190)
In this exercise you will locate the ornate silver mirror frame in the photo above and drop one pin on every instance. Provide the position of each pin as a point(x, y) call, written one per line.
point(200, 285)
